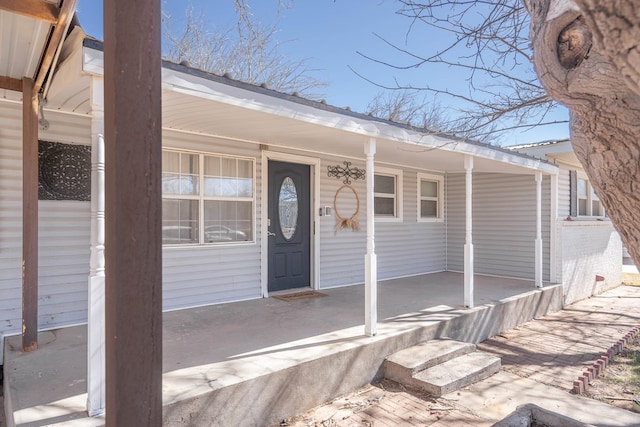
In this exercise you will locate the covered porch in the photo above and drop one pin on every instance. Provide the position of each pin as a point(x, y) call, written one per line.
point(259, 361)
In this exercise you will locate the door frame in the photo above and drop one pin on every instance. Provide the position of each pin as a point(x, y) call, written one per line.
point(314, 164)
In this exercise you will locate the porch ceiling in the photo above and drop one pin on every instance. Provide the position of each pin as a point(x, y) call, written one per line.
point(337, 135)
point(196, 102)
point(31, 32)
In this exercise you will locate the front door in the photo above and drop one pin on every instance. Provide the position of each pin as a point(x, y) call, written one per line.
point(289, 226)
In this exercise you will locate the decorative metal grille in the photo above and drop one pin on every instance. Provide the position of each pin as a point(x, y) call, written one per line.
point(346, 172)
point(64, 171)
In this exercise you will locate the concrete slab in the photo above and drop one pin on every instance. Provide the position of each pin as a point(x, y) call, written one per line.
point(257, 362)
point(457, 373)
point(499, 395)
point(404, 364)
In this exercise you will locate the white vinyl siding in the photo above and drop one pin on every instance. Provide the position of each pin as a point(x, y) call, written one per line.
point(504, 221)
point(402, 248)
point(210, 274)
point(63, 231)
point(564, 193)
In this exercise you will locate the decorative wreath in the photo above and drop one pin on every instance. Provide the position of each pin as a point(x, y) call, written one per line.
point(350, 223)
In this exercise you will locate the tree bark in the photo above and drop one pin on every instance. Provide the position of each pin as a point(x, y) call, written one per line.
point(587, 56)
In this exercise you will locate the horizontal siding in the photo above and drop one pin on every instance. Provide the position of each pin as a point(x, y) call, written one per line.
point(402, 248)
point(63, 231)
point(201, 275)
point(341, 251)
point(564, 194)
point(410, 247)
point(504, 222)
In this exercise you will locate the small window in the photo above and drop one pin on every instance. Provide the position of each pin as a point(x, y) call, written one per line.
point(584, 200)
point(387, 194)
point(430, 195)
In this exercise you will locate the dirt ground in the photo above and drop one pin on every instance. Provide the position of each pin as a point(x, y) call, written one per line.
point(619, 384)
point(385, 403)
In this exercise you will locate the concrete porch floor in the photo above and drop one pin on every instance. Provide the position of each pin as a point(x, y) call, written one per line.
point(259, 361)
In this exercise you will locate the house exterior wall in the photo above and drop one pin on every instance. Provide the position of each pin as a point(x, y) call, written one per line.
point(588, 248)
point(585, 247)
point(64, 229)
point(403, 248)
point(207, 274)
point(504, 224)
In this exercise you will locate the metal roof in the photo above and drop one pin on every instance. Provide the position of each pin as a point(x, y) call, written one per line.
point(31, 33)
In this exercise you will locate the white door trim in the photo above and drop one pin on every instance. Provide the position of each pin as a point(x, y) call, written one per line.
point(315, 215)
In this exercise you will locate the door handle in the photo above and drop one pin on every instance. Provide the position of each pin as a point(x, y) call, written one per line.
point(270, 234)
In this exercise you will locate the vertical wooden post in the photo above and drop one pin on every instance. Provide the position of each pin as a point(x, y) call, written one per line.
point(133, 248)
point(468, 241)
point(29, 216)
point(538, 244)
point(370, 259)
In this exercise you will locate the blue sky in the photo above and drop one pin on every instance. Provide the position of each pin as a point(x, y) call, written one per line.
point(328, 34)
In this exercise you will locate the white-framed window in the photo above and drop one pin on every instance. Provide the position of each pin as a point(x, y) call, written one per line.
point(387, 194)
point(206, 198)
point(586, 202)
point(430, 197)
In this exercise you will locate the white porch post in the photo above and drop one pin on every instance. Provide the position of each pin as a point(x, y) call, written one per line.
point(468, 241)
point(538, 255)
point(96, 316)
point(370, 261)
point(553, 221)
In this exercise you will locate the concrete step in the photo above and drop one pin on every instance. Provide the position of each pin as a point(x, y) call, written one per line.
point(456, 373)
point(404, 364)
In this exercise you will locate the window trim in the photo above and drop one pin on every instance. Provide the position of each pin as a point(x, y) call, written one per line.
point(575, 197)
point(440, 197)
point(398, 178)
point(201, 198)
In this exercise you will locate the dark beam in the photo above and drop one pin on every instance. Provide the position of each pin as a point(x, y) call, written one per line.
point(50, 54)
point(10, 83)
point(133, 255)
point(36, 9)
point(29, 216)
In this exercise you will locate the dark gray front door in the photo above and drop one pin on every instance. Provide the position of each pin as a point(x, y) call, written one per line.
point(289, 226)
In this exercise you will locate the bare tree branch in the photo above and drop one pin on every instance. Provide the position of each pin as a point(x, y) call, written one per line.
point(250, 54)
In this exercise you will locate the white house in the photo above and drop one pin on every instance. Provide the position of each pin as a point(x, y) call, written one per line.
point(588, 250)
point(265, 192)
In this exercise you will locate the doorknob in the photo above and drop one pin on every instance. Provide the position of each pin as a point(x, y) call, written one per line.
point(269, 234)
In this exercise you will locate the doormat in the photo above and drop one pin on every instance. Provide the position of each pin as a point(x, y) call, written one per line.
point(300, 295)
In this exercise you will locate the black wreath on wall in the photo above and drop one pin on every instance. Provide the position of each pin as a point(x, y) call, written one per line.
point(64, 171)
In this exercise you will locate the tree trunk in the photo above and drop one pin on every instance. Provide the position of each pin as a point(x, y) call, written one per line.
point(587, 55)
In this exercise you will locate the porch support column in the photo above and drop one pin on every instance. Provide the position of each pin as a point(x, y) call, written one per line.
point(96, 330)
point(370, 260)
point(553, 221)
point(538, 254)
point(468, 240)
point(133, 213)
point(29, 215)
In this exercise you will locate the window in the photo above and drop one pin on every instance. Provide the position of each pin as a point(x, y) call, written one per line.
point(584, 200)
point(206, 198)
point(387, 191)
point(430, 196)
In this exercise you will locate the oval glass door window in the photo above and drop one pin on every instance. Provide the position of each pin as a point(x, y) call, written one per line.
point(288, 208)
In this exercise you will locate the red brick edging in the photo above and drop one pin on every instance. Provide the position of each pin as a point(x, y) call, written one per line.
point(581, 384)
